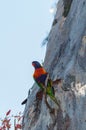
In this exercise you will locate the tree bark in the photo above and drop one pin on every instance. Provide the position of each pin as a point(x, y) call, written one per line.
point(65, 59)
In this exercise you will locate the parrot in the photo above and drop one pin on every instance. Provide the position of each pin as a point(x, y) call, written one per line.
point(43, 80)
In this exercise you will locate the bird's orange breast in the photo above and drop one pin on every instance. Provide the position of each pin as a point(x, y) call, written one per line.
point(38, 72)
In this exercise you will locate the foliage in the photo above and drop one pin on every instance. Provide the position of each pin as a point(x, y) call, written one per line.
point(6, 121)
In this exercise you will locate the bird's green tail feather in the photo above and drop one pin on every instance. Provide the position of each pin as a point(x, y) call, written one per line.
point(55, 100)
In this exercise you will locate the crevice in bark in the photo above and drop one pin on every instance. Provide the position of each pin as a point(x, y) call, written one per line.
point(67, 5)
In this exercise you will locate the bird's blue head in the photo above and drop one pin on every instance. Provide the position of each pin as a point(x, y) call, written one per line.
point(36, 64)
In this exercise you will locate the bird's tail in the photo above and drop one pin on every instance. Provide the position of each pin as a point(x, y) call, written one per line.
point(56, 101)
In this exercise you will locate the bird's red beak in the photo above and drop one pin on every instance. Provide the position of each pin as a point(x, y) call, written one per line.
point(33, 64)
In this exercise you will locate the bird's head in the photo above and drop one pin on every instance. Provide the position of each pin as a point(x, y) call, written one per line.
point(36, 64)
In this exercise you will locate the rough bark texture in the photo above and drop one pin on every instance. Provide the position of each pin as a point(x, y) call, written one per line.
point(66, 59)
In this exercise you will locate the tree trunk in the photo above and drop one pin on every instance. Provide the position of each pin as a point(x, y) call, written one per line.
point(66, 59)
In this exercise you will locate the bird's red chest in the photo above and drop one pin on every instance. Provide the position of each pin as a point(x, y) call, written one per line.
point(38, 72)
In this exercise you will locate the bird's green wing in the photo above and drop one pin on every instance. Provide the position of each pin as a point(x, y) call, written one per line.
point(49, 90)
point(40, 85)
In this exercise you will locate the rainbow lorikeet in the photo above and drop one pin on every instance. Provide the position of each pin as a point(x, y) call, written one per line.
point(41, 77)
